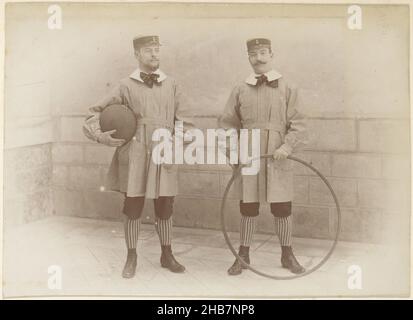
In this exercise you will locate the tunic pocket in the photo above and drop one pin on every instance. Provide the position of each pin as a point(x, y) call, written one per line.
point(169, 168)
point(246, 112)
point(247, 105)
point(137, 152)
point(284, 164)
point(123, 154)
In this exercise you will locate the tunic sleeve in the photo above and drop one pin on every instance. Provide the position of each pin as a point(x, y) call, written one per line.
point(91, 126)
point(230, 118)
point(296, 136)
point(183, 110)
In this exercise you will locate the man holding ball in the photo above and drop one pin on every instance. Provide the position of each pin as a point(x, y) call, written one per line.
point(157, 102)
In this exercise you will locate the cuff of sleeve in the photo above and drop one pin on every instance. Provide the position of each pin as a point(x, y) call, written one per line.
point(180, 137)
point(286, 149)
point(90, 134)
point(97, 135)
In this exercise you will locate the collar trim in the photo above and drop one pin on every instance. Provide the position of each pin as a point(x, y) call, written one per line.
point(271, 75)
point(137, 75)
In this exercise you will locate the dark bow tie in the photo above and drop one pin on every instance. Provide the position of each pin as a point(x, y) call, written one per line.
point(149, 79)
point(262, 79)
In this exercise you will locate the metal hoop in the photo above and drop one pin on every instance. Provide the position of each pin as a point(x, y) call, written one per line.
point(235, 174)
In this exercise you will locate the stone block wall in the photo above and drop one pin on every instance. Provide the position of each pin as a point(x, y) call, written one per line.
point(372, 185)
point(27, 192)
point(357, 102)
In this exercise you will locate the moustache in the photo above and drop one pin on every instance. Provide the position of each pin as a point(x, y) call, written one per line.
point(259, 62)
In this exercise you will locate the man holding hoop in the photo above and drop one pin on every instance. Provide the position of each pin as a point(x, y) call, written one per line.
point(265, 101)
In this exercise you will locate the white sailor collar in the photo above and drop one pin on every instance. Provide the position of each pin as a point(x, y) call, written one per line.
point(271, 75)
point(137, 75)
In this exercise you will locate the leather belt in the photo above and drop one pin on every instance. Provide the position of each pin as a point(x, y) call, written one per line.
point(263, 125)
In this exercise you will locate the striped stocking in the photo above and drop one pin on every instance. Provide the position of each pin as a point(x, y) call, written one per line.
point(164, 229)
point(283, 228)
point(132, 227)
point(247, 230)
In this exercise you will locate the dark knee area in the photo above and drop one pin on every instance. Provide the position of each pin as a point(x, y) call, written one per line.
point(249, 209)
point(133, 207)
point(164, 207)
point(281, 209)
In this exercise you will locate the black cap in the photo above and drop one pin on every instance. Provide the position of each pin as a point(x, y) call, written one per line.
point(258, 42)
point(143, 41)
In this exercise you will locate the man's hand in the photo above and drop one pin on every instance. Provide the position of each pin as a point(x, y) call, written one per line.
point(280, 154)
point(107, 139)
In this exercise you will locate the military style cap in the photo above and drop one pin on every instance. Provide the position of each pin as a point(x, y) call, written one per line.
point(141, 41)
point(258, 42)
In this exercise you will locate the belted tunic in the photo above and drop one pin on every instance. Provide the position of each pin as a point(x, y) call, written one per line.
point(276, 111)
point(132, 170)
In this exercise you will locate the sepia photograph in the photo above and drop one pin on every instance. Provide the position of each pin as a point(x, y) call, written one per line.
point(188, 150)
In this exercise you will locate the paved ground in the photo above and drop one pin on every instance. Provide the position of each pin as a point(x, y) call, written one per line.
point(91, 255)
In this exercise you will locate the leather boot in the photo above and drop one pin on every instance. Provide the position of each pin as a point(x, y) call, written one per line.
point(168, 260)
point(289, 261)
point(130, 266)
point(236, 268)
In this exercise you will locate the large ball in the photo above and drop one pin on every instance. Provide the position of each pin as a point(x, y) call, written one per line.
point(121, 118)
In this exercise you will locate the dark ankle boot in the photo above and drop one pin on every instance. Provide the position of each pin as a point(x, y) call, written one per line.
point(289, 261)
point(130, 266)
point(168, 260)
point(236, 268)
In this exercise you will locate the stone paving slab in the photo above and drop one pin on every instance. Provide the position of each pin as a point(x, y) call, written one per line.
point(91, 254)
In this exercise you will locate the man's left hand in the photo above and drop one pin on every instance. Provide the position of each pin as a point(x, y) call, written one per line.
point(280, 154)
